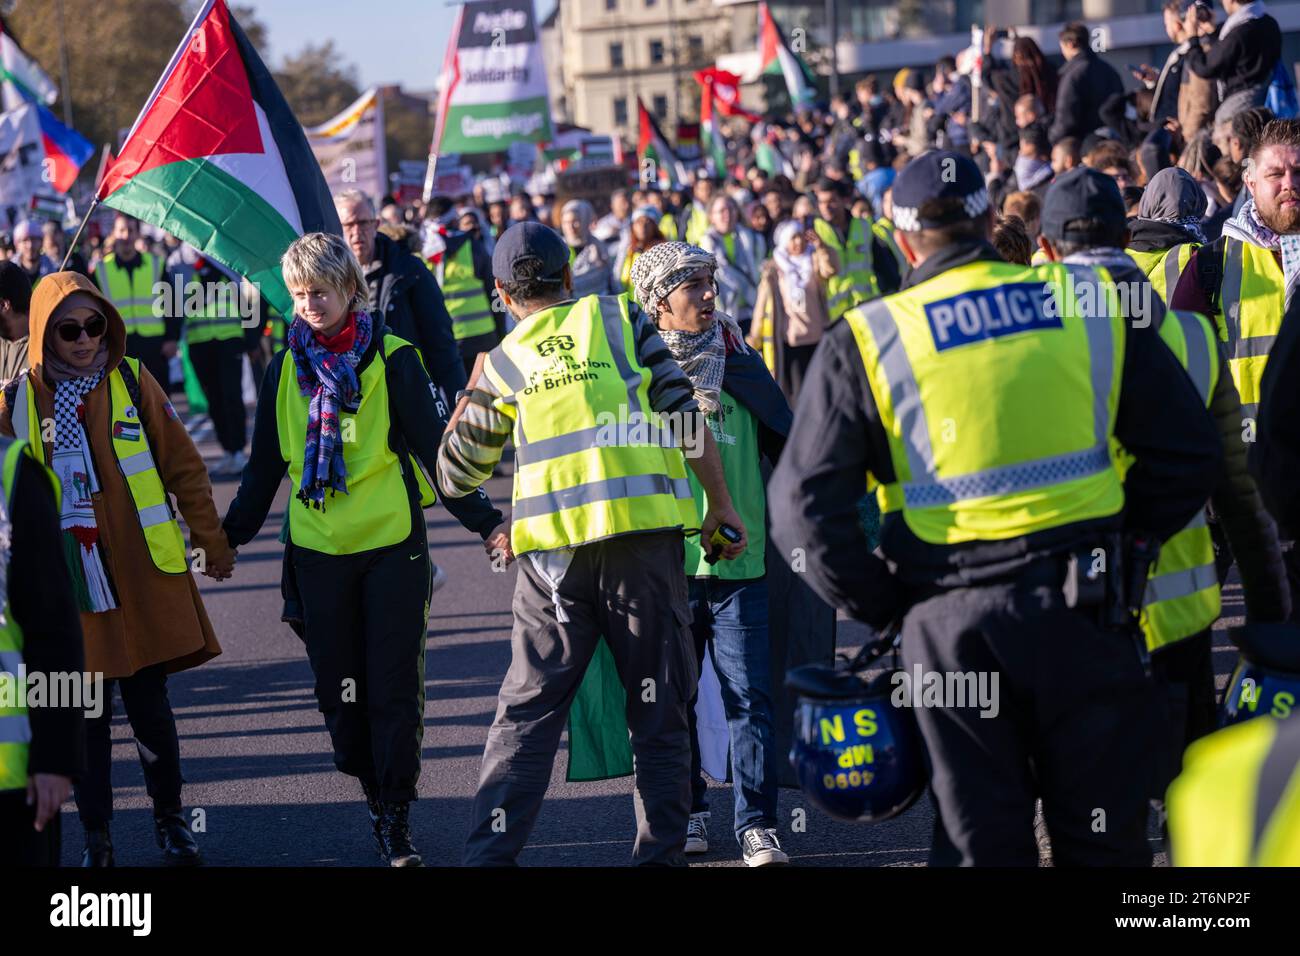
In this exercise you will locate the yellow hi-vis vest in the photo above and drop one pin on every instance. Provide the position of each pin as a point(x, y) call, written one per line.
point(856, 281)
point(883, 230)
point(134, 460)
point(592, 457)
point(470, 310)
point(1252, 300)
point(218, 318)
point(1182, 595)
point(376, 511)
point(997, 386)
point(15, 731)
point(133, 294)
point(697, 224)
point(1164, 266)
point(1237, 801)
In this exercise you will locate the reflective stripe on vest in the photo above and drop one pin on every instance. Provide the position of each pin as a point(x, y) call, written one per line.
point(855, 283)
point(162, 533)
point(15, 729)
point(593, 458)
point(893, 333)
point(467, 304)
point(220, 318)
point(1182, 593)
point(133, 294)
point(1252, 300)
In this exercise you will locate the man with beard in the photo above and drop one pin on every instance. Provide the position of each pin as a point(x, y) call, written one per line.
point(1245, 278)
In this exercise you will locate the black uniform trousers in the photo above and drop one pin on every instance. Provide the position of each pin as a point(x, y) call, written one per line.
point(1075, 725)
point(364, 622)
point(148, 349)
point(20, 844)
point(144, 696)
point(219, 366)
point(470, 347)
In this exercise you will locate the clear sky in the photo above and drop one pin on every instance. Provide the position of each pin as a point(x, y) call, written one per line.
point(390, 41)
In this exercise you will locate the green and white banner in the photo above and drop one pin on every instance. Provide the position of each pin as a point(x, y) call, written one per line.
point(493, 81)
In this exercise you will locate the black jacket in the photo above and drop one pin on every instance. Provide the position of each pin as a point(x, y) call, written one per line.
point(822, 475)
point(1152, 235)
point(1245, 58)
point(42, 603)
point(405, 293)
point(1086, 83)
point(1275, 454)
point(418, 419)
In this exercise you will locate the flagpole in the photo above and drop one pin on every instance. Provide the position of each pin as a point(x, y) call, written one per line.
point(72, 246)
point(63, 63)
point(833, 29)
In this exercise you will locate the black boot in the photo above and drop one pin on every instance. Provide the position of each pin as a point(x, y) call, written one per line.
point(394, 831)
point(99, 848)
point(373, 808)
point(174, 838)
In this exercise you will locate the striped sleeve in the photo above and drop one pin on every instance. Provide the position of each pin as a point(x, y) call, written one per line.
point(472, 449)
point(670, 389)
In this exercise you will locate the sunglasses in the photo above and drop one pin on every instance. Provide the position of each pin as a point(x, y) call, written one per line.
point(71, 331)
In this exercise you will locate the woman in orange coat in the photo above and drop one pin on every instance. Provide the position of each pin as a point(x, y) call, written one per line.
point(106, 428)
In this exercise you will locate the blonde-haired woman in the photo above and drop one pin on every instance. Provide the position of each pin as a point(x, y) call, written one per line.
point(342, 409)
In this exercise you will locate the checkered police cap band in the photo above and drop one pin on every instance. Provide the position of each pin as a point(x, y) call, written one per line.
point(909, 218)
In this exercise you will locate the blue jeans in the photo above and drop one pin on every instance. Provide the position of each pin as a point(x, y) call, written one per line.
point(731, 619)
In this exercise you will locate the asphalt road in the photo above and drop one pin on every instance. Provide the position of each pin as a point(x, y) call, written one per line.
point(257, 760)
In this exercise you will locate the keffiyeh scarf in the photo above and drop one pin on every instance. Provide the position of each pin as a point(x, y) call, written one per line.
point(330, 381)
point(1248, 227)
point(73, 464)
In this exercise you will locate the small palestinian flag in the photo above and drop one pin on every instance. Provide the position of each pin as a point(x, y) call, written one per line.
point(217, 158)
point(779, 60)
point(655, 158)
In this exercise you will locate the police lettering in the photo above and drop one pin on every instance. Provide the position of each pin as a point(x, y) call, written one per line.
point(988, 314)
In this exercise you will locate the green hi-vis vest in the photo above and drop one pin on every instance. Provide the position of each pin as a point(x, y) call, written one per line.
point(133, 293)
point(855, 283)
point(697, 224)
point(376, 511)
point(219, 319)
point(470, 310)
point(1182, 595)
point(1252, 300)
point(1237, 801)
point(1033, 449)
point(15, 731)
point(134, 460)
point(592, 458)
point(736, 432)
point(883, 230)
point(1164, 266)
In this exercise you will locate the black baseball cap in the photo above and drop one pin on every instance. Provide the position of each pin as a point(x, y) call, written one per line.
point(1083, 193)
point(526, 242)
point(938, 175)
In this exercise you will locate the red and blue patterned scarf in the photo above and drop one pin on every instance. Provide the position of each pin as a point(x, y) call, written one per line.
point(331, 382)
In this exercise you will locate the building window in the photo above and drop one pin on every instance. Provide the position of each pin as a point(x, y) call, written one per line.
point(695, 48)
point(661, 106)
point(656, 52)
point(620, 111)
point(616, 56)
point(611, 4)
point(651, 3)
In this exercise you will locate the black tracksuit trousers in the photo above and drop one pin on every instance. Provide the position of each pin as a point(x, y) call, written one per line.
point(364, 621)
point(1076, 725)
point(219, 367)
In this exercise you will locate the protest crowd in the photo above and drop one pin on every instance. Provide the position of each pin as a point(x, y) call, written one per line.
point(993, 359)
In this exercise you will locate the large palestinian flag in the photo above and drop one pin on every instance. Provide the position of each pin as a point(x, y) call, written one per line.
point(217, 158)
point(779, 60)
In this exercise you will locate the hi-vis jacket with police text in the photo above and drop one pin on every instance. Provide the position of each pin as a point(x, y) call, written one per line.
point(839, 438)
point(417, 419)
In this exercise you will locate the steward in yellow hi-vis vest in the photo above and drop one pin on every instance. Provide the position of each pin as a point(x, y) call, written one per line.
point(605, 426)
point(1237, 801)
point(862, 276)
point(131, 281)
point(348, 412)
point(985, 404)
point(465, 275)
point(41, 747)
point(102, 424)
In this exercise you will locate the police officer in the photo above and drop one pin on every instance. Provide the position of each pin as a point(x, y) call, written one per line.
point(601, 501)
point(43, 748)
point(1084, 222)
point(128, 277)
point(995, 511)
point(1237, 802)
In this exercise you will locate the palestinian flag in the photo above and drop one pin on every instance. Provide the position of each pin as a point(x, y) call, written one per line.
point(715, 147)
point(22, 81)
point(779, 60)
point(217, 158)
point(655, 158)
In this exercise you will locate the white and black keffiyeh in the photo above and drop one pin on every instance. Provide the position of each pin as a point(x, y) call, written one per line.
point(73, 464)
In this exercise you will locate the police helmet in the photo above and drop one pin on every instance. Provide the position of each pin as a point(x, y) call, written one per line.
point(856, 756)
point(1267, 677)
